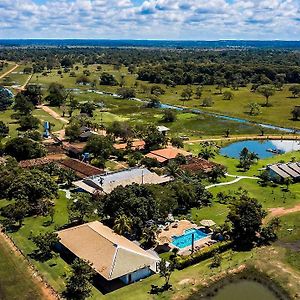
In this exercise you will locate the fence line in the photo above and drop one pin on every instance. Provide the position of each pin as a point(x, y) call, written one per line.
point(33, 270)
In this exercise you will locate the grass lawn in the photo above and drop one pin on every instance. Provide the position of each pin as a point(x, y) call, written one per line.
point(55, 269)
point(5, 116)
point(289, 236)
point(217, 212)
point(15, 280)
point(7, 68)
point(44, 116)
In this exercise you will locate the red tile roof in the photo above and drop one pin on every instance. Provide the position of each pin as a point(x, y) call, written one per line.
point(81, 169)
point(198, 164)
point(136, 145)
point(163, 155)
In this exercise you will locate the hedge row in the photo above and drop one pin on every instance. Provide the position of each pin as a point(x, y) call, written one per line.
point(186, 261)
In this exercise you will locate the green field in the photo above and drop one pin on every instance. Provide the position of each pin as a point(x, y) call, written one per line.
point(6, 68)
point(279, 113)
point(15, 280)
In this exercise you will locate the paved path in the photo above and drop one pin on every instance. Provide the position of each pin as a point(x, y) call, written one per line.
point(53, 113)
point(237, 179)
point(9, 71)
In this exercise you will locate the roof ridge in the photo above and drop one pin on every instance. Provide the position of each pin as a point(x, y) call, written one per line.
point(135, 252)
point(89, 225)
point(113, 262)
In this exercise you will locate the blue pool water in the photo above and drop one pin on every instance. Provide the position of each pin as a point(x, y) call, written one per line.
point(260, 147)
point(185, 239)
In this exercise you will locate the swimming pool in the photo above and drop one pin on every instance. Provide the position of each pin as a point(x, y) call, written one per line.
point(185, 239)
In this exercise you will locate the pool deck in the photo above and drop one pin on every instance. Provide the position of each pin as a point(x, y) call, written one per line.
point(175, 228)
point(179, 228)
point(198, 245)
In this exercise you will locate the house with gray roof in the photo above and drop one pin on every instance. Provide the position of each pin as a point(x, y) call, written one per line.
point(280, 172)
point(106, 183)
point(111, 255)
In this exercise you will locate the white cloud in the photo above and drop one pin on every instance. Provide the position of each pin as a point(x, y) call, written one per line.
point(172, 19)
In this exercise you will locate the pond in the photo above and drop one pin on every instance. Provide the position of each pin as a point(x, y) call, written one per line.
point(263, 149)
point(245, 290)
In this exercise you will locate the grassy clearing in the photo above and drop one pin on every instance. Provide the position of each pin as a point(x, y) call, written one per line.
point(6, 117)
point(14, 273)
point(17, 77)
point(6, 68)
point(279, 113)
point(192, 125)
point(289, 236)
point(44, 116)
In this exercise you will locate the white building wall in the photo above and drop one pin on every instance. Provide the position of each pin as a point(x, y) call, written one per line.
point(136, 276)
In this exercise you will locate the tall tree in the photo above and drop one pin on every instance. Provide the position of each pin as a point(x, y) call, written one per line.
point(81, 207)
point(295, 90)
point(4, 130)
point(99, 146)
point(24, 148)
point(45, 244)
point(267, 91)
point(79, 282)
point(123, 224)
point(246, 217)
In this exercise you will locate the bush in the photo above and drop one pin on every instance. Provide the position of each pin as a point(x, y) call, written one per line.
point(207, 252)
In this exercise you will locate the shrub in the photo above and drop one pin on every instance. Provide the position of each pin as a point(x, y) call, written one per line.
point(207, 252)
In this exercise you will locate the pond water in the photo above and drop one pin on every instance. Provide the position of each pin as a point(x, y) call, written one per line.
point(245, 290)
point(261, 147)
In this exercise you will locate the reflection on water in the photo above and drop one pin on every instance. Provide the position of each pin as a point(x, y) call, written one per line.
point(245, 290)
point(261, 147)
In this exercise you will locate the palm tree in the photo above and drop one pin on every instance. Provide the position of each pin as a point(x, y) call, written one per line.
point(173, 169)
point(207, 153)
point(149, 236)
point(122, 224)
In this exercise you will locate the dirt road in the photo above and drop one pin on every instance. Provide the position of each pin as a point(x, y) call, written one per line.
point(9, 71)
point(53, 113)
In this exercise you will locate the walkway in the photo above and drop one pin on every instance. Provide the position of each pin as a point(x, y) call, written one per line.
point(237, 179)
point(53, 113)
point(9, 71)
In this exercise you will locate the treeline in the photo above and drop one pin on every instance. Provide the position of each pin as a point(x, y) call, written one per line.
point(172, 66)
point(218, 73)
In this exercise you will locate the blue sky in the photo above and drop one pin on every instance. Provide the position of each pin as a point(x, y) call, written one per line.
point(151, 19)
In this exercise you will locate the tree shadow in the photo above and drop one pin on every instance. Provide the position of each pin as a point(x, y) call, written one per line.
point(41, 257)
point(155, 289)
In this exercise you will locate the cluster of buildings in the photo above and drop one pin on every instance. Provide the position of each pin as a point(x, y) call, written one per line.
point(113, 257)
point(106, 183)
point(282, 171)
